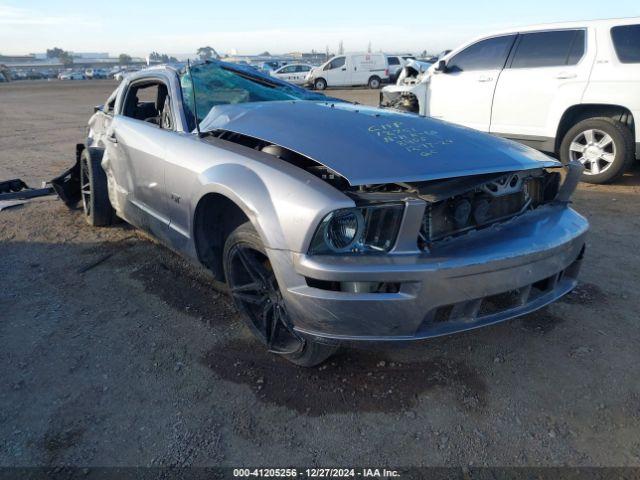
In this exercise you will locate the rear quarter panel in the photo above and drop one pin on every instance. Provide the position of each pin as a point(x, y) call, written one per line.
point(613, 82)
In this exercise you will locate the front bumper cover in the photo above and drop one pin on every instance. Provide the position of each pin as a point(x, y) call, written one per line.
point(533, 260)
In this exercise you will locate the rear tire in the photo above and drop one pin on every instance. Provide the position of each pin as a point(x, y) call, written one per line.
point(374, 83)
point(97, 208)
point(320, 84)
point(604, 146)
point(256, 294)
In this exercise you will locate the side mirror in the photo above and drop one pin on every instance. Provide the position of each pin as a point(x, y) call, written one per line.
point(442, 66)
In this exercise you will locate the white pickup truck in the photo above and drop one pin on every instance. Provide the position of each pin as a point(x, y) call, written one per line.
point(570, 89)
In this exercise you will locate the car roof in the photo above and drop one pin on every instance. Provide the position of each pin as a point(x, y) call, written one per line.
point(608, 22)
point(170, 69)
point(602, 23)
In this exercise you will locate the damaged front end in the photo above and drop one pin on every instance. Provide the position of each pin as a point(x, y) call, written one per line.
point(467, 252)
point(404, 219)
point(409, 91)
point(457, 206)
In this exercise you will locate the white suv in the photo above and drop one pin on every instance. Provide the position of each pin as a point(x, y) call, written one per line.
point(571, 89)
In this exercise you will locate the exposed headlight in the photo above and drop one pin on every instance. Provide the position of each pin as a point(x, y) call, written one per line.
point(372, 228)
point(343, 230)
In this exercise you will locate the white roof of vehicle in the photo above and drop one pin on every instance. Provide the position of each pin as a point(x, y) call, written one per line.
point(609, 22)
point(603, 23)
point(360, 53)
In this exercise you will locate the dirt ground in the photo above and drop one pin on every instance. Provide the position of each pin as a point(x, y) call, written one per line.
point(115, 351)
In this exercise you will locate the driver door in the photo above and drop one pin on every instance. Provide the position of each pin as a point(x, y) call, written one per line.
point(463, 92)
point(136, 141)
point(336, 72)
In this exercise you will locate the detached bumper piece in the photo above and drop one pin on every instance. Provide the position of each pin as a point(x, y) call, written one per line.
point(16, 189)
point(67, 184)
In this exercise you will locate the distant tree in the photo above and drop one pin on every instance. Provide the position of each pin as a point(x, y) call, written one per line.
point(124, 59)
point(264, 54)
point(55, 52)
point(423, 54)
point(66, 59)
point(161, 57)
point(206, 53)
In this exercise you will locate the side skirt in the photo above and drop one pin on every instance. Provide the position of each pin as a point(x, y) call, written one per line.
point(544, 144)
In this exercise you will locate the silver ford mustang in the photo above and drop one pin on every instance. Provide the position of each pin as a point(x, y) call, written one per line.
point(331, 222)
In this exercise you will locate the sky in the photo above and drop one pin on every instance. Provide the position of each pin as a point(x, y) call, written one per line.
point(138, 27)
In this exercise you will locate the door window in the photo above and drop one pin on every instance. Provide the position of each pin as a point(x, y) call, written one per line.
point(549, 49)
point(393, 60)
point(303, 68)
point(289, 69)
point(489, 54)
point(337, 62)
point(626, 41)
point(149, 102)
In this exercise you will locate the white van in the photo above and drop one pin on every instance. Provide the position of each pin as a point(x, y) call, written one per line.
point(570, 89)
point(351, 69)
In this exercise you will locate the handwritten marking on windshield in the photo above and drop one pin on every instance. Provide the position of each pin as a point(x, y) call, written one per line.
point(420, 142)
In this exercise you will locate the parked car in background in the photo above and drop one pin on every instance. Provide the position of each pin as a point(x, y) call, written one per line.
point(73, 75)
point(571, 89)
point(351, 69)
point(18, 75)
point(270, 66)
point(95, 73)
point(122, 73)
point(34, 75)
point(5, 73)
point(295, 73)
point(395, 64)
point(49, 73)
point(379, 226)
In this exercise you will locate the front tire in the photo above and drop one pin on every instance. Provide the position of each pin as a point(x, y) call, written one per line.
point(320, 84)
point(256, 294)
point(97, 208)
point(604, 146)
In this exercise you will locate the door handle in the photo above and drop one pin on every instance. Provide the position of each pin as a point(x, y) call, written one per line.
point(112, 137)
point(344, 69)
point(565, 75)
point(485, 79)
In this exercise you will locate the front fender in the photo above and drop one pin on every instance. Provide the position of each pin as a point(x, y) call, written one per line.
point(284, 202)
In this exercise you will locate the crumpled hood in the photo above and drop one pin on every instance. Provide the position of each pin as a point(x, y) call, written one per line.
point(371, 146)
